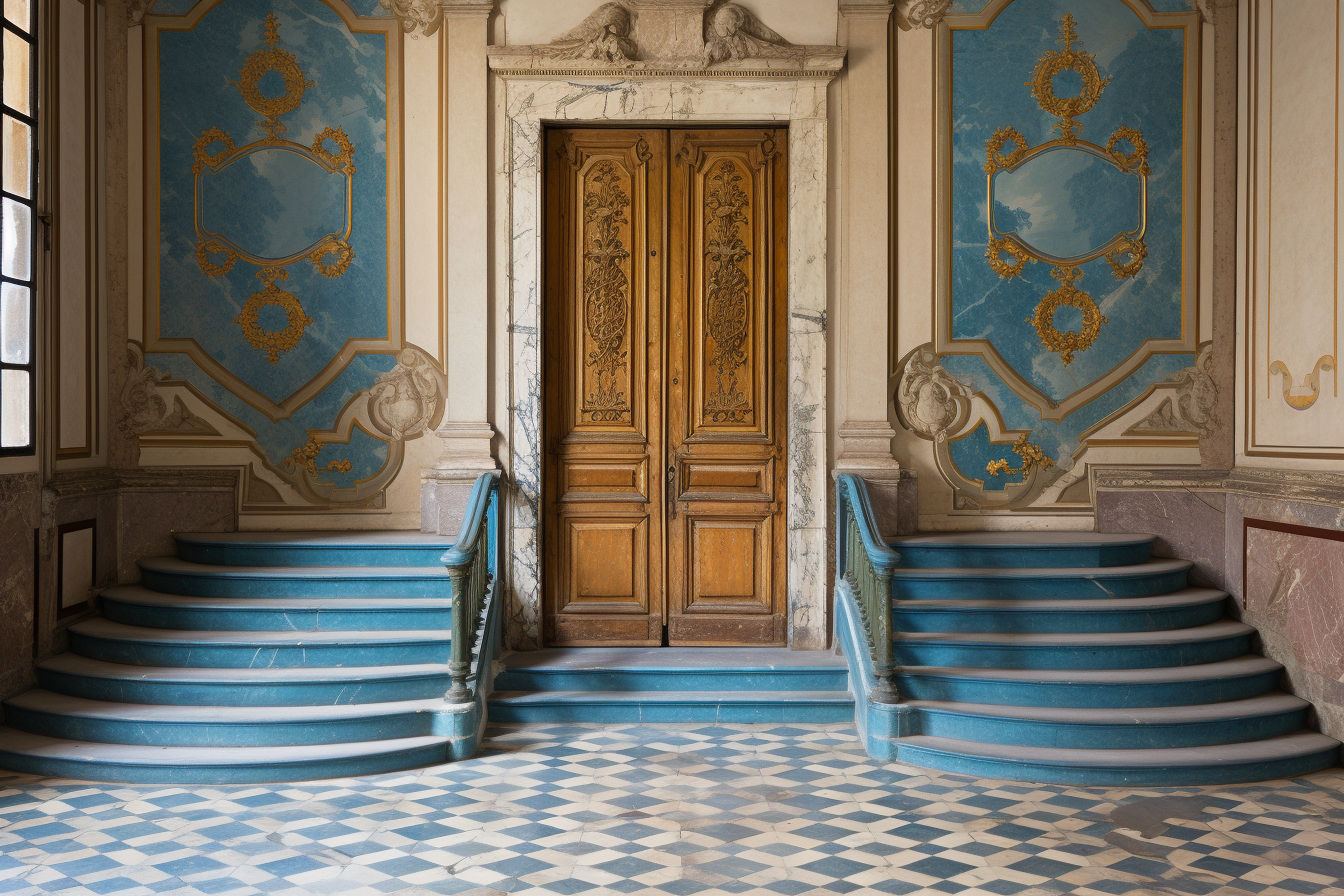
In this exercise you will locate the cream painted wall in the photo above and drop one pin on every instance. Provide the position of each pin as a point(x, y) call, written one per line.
point(1289, 316)
point(541, 21)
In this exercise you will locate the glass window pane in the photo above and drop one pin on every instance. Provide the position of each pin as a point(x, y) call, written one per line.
point(18, 156)
point(19, 12)
point(18, 59)
point(14, 324)
point(16, 252)
point(13, 409)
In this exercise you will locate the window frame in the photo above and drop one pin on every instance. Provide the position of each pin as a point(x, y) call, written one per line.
point(37, 219)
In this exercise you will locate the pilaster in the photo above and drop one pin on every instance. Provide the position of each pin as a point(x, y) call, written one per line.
point(863, 266)
point(466, 431)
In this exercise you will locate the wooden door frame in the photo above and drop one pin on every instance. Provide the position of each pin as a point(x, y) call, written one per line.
point(530, 101)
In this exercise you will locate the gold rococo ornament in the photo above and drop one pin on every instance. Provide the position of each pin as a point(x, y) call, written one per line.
point(1051, 63)
point(1067, 294)
point(272, 342)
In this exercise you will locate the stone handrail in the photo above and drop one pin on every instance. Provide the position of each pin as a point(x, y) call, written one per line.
point(865, 562)
point(472, 564)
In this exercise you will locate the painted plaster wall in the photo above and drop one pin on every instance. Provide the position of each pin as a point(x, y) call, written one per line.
point(978, 373)
point(273, 326)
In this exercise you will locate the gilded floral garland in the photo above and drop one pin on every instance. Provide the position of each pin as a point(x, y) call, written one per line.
point(726, 299)
point(305, 458)
point(1051, 63)
point(1033, 458)
point(606, 302)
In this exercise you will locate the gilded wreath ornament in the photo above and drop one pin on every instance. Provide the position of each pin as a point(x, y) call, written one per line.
point(331, 149)
point(1007, 150)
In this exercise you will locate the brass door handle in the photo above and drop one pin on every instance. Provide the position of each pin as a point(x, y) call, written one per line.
point(672, 491)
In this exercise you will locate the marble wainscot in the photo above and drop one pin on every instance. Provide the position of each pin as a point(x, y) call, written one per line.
point(652, 78)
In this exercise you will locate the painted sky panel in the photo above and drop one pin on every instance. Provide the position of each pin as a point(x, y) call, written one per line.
point(348, 72)
point(990, 69)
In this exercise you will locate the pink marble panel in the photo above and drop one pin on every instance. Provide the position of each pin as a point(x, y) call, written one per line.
point(1296, 581)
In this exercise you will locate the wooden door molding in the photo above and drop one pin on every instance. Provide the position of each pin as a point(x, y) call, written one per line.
point(665, 376)
point(727, 375)
point(602, 420)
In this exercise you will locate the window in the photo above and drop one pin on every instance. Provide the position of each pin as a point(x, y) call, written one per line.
point(18, 159)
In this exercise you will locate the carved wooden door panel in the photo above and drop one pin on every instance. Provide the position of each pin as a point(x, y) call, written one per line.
point(726, 375)
point(603, 503)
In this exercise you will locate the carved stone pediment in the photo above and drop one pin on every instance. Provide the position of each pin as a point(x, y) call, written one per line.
point(652, 36)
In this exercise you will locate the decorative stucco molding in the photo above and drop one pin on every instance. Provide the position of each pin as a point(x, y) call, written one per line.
point(425, 16)
point(920, 13)
point(145, 410)
point(643, 38)
point(930, 401)
point(402, 403)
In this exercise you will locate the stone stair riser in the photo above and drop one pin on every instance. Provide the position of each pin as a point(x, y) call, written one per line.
point(294, 585)
point(950, 687)
point(225, 772)
point(301, 555)
point(1224, 773)
point(247, 656)
point(1098, 586)
point(1131, 736)
point(224, 693)
point(909, 618)
point(1063, 656)
point(328, 619)
point(702, 711)
point(671, 680)
point(218, 734)
point(1061, 557)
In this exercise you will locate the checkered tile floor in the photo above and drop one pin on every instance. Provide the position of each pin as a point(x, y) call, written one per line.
point(675, 809)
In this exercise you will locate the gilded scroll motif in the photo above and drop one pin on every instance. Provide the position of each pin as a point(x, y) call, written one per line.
point(1033, 458)
point(606, 290)
point(1008, 252)
point(215, 151)
point(305, 458)
point(728, 294)
point(1311, 382)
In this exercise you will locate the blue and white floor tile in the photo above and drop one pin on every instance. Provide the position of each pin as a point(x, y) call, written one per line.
point(605, 809)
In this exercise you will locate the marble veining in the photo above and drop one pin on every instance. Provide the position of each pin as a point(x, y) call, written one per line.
point(530, 101)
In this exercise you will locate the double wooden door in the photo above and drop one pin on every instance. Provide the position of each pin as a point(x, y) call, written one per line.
point(664, 387)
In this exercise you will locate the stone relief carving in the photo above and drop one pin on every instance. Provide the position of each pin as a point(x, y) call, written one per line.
point(931, 402)
point(136, 10)
point(733, 33)
point(667, 35)
point(146, 410)
point(921, 13)
point(402, 402)
point(602, 37)
point(1197, 392)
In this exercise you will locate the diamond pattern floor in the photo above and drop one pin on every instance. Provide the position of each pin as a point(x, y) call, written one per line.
point(675, 809)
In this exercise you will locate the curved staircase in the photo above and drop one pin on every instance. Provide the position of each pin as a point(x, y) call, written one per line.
point(1077, 658)
point(250, 657)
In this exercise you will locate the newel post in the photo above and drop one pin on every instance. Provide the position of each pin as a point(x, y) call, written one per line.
point(459, 664)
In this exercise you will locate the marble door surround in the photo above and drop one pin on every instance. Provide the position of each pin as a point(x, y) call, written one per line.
point(662, 70)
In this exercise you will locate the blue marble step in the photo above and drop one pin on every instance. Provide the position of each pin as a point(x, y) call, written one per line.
point(1234, 679)
point(351, 548)
point(35, 754)
point(1140, 580)
point(76, 718)
point(706, 669)
point(1183, 609)
point(80, 676)
point(1258, 760)
point(171, 575)
point(672, 706)
point(1254, 718)
point(113, 642)
point(1017, 549)
point(135, 605)
point(1210, 643)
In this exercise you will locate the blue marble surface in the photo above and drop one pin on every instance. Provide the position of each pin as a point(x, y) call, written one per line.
point(349, 76)
point(989, 71)
point(367, 455)
point(1059, 440)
